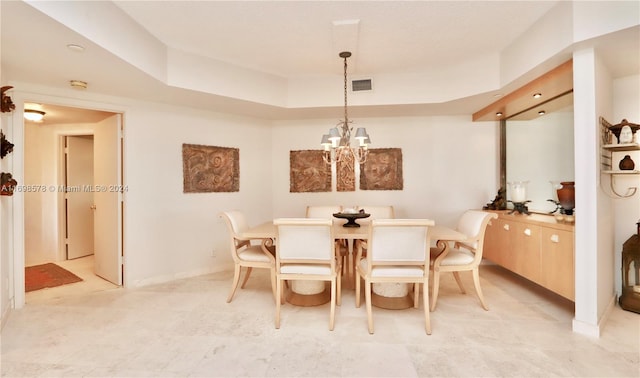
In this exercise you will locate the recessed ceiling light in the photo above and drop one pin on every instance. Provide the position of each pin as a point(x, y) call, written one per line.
point(74, 47)
point(542, 112)
point(34, 115)
point(78, 84)
point(537, 95)
point(499, 114)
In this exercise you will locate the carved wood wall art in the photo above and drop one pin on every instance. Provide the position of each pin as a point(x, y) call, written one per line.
point(5, 146)
point(7, 184)
point(210, 169)
point(346, 174)
point(382, 170)
point(6, 104)
point(308, 172)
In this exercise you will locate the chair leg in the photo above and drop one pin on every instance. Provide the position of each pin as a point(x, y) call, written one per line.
point(357, 278)
point(425, 300)
point(416, 293)
point(283, 291)
point(436, 285)
point(278, 294)
point(332, 316)
point(272, 272)
point(234, 284)
point(246, 277)
point(367, 300)
point(456, 275)
point(476, 282)
point(339, 293)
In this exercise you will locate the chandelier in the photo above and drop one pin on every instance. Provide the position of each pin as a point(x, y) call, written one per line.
point(337, 144)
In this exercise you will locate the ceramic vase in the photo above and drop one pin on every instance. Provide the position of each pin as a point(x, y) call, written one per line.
point(626, 164)
point(567, 196)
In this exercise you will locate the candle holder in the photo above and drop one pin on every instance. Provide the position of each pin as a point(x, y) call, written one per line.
point(518, 194)
point(520, 207)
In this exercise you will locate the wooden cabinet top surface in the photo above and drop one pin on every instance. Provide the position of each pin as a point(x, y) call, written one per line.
point(534, 218)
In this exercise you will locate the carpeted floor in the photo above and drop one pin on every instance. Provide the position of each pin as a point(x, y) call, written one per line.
point(47, 275)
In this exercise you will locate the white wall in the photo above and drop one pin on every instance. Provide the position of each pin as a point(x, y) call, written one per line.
point(171, 234)
point(449, 165)
point(626, 97)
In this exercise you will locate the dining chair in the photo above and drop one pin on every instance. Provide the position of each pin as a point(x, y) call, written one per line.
point(322, 211)
point(465, 255)
point(377, 212)
point(327, 211)
point(306, 251)
point(246, 254)
point(398, 252)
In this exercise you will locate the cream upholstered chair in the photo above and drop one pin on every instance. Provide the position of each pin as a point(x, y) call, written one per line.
point(327, 211)
point(377, 212)
point(315, 211)
point(464, 255)
point(398, 251)
point(246, 254)
point(306, 251)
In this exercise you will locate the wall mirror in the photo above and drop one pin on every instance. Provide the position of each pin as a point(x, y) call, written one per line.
point(536, 136)
point(539, 151)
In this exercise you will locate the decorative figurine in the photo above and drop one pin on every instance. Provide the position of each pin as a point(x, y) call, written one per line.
point(624, 131)
point(626, 135)
point(498, 203)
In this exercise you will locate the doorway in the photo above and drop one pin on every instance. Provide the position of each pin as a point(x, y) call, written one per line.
point(78, 196)
point(71, 158)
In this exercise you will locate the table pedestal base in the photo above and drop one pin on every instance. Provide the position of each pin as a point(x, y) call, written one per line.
point(391, 296)
point(308, 293)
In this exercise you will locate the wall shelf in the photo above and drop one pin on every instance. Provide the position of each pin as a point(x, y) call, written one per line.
point(618, 172)
point(622, 147)
point(607, 165)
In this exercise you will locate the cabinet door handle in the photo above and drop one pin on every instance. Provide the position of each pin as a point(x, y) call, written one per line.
point(555, 238)
point(527, 231)
point(506, 227)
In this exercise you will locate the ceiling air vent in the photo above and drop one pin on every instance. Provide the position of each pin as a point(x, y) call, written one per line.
point(361, 85)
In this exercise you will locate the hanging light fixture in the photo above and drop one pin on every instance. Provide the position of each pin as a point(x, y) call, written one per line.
point(337, 144)
point(34, 115)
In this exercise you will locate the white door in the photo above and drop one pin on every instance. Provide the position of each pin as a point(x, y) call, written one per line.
point(107, 179)
point(78, 200)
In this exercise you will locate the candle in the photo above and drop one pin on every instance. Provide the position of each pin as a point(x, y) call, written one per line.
point(518, 193)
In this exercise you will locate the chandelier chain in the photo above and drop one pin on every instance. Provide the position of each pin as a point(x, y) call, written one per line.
point(346, 120)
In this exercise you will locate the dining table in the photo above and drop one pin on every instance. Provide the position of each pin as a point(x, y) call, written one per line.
point(383, 295)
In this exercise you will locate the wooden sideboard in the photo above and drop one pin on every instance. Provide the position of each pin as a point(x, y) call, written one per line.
point(534, 246)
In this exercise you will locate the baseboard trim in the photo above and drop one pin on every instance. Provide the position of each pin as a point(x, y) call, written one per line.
point(594, 330)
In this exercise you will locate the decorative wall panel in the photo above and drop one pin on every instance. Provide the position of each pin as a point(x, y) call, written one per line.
point(309, 172)
point(382, 170)
point(345, 173)
point(210, 169)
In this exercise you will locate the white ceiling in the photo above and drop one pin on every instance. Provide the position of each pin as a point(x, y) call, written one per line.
point(284, 38)
point(290, 38)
